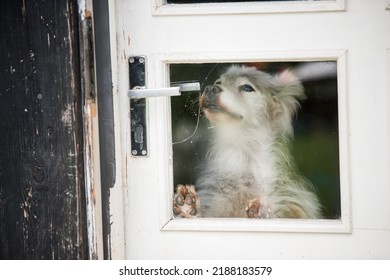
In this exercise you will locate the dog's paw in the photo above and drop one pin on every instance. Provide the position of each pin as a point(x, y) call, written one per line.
point(253, 209)
point(186, 202)
point(257, 210)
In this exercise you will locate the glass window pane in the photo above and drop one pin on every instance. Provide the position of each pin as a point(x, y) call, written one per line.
point(314, 148)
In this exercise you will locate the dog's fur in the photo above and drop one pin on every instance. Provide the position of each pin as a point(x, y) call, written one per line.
point(249, 171)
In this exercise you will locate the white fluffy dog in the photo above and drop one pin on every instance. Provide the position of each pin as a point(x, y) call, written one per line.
point(249, 170)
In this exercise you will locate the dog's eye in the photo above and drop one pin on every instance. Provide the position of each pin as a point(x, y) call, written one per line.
point(217, 82)
point(246, 88)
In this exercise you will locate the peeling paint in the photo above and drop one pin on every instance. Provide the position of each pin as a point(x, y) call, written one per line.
point(24, 11)
point(82, 8)
point(91, 165)
point(66, 116)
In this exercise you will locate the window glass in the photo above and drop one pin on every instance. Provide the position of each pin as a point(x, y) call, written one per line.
point(315, 147)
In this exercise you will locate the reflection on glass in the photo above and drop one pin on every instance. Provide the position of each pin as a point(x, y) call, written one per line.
point(315, 146)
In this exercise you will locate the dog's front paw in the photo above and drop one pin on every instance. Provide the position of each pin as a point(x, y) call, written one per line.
point(257, 210)
point(186, 202)
point(253, 209)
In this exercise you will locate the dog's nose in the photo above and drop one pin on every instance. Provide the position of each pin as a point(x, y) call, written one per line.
point(210, 97)
point(213, 89)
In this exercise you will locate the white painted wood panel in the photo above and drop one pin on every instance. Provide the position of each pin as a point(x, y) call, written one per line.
point(361, 33)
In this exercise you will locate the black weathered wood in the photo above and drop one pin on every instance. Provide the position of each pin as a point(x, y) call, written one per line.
point(42, 213)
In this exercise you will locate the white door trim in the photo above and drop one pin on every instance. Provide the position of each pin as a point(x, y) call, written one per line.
point(160, 8)
point(168, 223)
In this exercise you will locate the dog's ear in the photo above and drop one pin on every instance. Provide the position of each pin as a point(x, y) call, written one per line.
point(287, 93)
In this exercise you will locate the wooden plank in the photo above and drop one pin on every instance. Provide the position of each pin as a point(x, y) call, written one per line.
point(42, 213)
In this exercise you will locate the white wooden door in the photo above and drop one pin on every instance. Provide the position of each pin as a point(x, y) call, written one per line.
point(354, 36)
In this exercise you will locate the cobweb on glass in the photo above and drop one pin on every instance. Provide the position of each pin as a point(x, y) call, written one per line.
point(199, 110)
